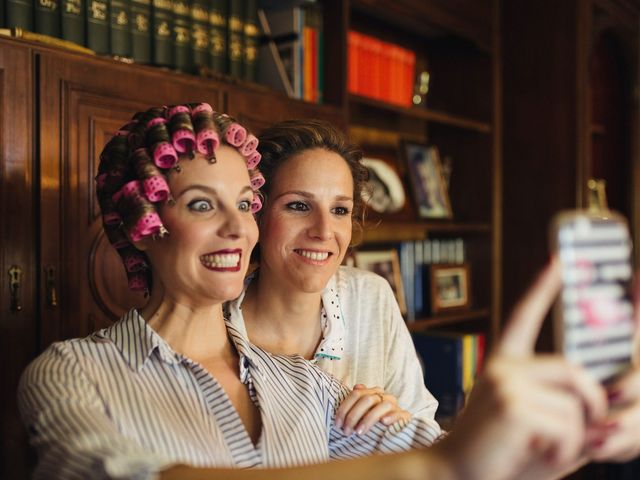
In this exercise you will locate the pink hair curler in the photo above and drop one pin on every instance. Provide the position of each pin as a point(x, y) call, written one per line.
point(177, 109)
point(207, 141)
point(235, 134)
point(149, 224)
point(117, 238)
point(156, 188)
point(111, 218)
point(156, 121)
point(183, 141)
point(203, 107)
point(101, 180)
point(164, 155)
point(257, 181)
point(249, 146)
point(254, 159)
point(138, 283)
point(256, 204)
point(134, 262)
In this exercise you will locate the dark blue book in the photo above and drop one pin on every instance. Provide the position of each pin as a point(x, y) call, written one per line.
point(441, 356)
point(98, 26)
point(141, 31)
point(199, 33)
point(47, 19)
point(235, 38)
point(162, 28)
point(19, 13)
point(119, 29)
point(181, 35)
point(73, 27)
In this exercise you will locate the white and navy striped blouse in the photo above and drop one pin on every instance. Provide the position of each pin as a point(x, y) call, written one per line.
point(122, 404)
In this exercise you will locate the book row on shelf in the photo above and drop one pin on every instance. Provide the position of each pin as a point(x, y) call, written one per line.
point(428, 277)
point(451, 362)
point(435, 277)
point(380, 70)
point(280, 45)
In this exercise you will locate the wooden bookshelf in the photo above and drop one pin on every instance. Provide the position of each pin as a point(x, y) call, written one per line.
point(389, 231)
point(448, 320)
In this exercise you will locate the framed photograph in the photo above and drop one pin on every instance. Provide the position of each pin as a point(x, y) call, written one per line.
point(386, 264)
point(427, 183)
point(449, 287)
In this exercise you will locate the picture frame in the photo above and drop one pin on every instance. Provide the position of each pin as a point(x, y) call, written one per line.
point(450, 287)
point(424, 171)
point(386, 264)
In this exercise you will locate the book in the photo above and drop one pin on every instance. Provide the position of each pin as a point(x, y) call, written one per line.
point(98, 26)
point(162, 28)
point(47, 17)
point(235, 38)
point(181, 35)
point(251, 40)
point(271, 69)
point(218, 13)
point(119, 29)
point(199, 33)
point(140, 26)
point(441, 357)
point(286, 27)
point(72, 26)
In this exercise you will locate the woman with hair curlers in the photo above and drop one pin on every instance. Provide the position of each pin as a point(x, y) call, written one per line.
point(173, 390)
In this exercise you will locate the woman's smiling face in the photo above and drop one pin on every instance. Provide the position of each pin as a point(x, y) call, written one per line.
point(305, 228)
point(212, 231)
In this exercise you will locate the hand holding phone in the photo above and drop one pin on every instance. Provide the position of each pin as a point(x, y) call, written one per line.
point(593, 318)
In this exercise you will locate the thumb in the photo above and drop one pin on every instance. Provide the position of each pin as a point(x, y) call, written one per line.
point(524, 324)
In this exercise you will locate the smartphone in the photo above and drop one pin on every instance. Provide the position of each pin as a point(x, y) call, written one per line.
point(593, 317)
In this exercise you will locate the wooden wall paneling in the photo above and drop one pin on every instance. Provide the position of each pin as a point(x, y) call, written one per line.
point(83, 102)
point(18, 329)
point(259, 109)
point(539, 131)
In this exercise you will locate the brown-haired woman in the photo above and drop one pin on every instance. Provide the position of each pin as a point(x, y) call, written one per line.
point(302, 301)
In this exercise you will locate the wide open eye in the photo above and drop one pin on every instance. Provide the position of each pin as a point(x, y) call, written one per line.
point(200, 205)
point(244, 206)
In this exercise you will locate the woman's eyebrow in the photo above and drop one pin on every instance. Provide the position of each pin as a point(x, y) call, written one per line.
point(305, 194)
point(208, 189)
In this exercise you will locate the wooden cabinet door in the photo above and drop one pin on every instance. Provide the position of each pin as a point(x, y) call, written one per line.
point(18, 341)
point(83, 102)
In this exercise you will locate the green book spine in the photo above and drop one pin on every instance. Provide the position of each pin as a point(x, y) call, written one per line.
point(140, 26)
point(120, 33)
point(19, 13)
point(98, 26)
point(162, 24)
point(218, 13)
point(47, 17)
point(73, 21)
point(251, 39)
point(235, 37)
point(199, 33)
point(181, 35)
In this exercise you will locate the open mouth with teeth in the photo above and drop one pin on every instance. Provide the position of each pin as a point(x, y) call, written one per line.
point(228, 261)
point(313, 255)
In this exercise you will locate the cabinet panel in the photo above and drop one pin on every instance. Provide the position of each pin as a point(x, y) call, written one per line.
point(83, 104)
point(17, 230)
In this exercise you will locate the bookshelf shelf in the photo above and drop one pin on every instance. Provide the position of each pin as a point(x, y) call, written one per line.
point(449, 319)
point(358, 101)
point(405, 231)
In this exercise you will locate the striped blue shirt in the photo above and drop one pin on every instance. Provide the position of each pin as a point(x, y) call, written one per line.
point(121, 403)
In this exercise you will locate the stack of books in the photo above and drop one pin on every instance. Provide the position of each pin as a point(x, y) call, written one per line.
point(380, 70)
point(451, 363)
